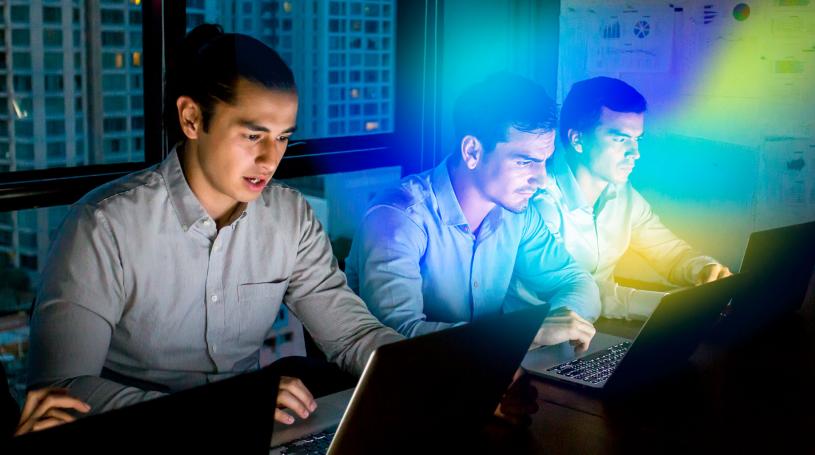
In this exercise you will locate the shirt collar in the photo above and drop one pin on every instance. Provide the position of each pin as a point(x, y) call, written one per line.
point(566, 183)
point(449, 208)
point(187, 207)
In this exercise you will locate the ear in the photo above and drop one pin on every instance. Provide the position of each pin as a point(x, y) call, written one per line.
point(471, 151)
point(575, 140)
point(189, 117)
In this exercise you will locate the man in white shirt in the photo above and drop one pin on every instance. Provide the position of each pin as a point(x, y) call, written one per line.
point(589, 204)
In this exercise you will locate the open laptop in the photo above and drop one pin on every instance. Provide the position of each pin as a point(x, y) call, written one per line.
point(234, 415)
point(780, 262)
point(679, 323)
point(417, 392)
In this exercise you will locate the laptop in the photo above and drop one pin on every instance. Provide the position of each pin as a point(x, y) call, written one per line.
point(234, 415)
point(417, 392)
point(680, 322)
point(781, 262)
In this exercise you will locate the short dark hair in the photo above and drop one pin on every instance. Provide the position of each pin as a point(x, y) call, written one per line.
point(207, 66)
point(583, 105)
point(489, 108)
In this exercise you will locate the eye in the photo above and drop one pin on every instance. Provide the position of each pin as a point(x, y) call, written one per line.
point(619, 139)
point(523, 163)
point(252, 137)
point(283, 138)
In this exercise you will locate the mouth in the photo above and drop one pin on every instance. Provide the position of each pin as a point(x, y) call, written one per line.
point(256, 183)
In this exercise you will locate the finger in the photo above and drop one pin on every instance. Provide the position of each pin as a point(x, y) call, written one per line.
point(725, 272)
point(288, 400)
point(283, 417)
point(33, 399)
point(46, 423)
point(55, 413)
point(299, 390)
point(59, 401)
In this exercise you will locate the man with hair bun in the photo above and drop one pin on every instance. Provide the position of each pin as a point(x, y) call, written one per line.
point(173, 276)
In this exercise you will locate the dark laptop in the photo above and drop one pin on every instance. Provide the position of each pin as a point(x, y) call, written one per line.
point(422, 394)
point(780, 262)
point(680, 322)
point(234, 415)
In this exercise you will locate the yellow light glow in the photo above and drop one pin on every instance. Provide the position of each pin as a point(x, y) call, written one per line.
point(354, 93)
point(287, 7)
point(370, 126)
point(137, 58)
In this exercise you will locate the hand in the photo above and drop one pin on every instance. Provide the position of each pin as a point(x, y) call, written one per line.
point(712, 272)
point(519, 401)
point(566, 325)
point(43, 409)
point(293, 395)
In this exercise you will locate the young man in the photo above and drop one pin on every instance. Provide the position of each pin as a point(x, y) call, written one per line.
point(442, 247)
point(592, 208)
point(172, 277)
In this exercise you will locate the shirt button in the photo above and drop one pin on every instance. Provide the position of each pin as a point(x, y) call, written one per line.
point(214, 348)
point(206, 223)
point(214, 298)
point(475, 284)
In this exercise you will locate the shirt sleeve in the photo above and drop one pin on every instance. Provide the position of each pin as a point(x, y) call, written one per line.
point(320, 298)
point(78, 304)
point(386, 253)
point(546, 269)
point(669, 255)
point(621, 302)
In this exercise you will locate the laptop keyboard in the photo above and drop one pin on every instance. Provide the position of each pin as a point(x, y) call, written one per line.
point(594, 368)
point(313, 444)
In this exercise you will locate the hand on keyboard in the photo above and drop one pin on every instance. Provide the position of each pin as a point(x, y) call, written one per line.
point(519, 402)
point(293, 395)
point(566, 325)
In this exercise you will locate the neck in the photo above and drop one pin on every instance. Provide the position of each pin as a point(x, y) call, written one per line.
point(472, 202)
point(590, 186)
point(218, 206)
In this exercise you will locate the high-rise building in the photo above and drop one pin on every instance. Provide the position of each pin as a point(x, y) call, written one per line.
point(342, 54)
point(71, 94)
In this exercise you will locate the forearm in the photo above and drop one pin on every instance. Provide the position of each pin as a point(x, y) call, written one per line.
point(620, 302)
point(104, 395)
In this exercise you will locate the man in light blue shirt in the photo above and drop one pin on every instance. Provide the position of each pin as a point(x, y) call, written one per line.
point(590, 206)
point(442, 247)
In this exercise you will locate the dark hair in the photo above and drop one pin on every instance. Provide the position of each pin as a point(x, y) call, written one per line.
point(583, 105)
point(207, 66)
point(489, 108)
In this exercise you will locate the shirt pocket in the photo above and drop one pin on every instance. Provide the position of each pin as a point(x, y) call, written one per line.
point(259, 305)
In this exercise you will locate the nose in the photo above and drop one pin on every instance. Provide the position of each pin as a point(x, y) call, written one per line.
point(634, 151)
point(270, 155)
point(538, 178)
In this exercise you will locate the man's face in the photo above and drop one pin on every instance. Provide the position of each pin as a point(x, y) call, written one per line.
point(511, 173)
point(246, 141)
point(610, 150)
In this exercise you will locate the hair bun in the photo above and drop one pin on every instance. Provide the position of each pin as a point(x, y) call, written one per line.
point(201, 36)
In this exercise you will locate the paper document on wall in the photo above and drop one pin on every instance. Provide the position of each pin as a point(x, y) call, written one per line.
point(631, 40)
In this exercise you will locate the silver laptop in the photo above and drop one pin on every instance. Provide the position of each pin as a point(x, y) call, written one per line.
point(417, 392)
point(679, 323)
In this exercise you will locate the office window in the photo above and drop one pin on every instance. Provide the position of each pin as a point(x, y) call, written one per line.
point(51, 14)
point(320, 35)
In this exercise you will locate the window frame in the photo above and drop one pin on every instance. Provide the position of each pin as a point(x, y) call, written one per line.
point(412, 145)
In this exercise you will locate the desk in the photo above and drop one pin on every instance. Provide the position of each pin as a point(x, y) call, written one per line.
point(731, 397)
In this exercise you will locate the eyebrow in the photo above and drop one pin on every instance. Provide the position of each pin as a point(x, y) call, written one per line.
point(617, 132)
point(528, 157)
point(248, 124)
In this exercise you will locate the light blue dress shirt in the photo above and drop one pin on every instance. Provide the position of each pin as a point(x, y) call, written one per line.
point(416, 264)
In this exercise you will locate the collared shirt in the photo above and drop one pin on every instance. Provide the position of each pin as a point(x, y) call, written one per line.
point(416, 264)
point(598, 236)
point(141, 283)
